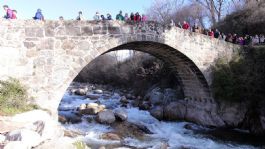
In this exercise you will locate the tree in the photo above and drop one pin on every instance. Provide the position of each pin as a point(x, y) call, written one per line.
point(215, 8)
point(162, 10)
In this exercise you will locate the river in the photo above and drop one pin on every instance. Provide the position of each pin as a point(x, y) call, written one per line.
point(174, 135)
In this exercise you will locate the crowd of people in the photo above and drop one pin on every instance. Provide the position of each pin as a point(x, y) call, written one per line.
point(132, 17)
point(213, 33)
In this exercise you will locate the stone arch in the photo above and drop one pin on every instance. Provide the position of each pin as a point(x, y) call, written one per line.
point(189, 75)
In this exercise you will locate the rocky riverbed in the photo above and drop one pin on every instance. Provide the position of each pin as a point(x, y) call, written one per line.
point(104, 117)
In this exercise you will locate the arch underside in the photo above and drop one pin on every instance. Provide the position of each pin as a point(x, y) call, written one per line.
point(189, 75)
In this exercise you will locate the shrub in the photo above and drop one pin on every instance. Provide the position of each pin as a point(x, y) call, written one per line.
point(241, 79)
point(13, 98)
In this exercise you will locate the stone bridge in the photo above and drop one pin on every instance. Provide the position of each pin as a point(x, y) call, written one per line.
point(47, 56)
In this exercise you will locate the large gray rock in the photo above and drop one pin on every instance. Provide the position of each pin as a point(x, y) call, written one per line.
point(157, 112)
point(58, 143)
point(16, 145)
point(156, 97)
point(27, 137)
point(121, 114)
point(106, 117)
point(81, 91)
point(92, 96)
point(193, 111)
point(232, 113)
point(98, 91)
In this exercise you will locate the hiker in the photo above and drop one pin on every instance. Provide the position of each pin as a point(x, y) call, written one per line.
point(8, 11)
point(109, 17)
point(97, 16)
point(137, 17)
point(126, 17)
point(132, 16)
point(61, 18)
point(185, 25)
point(144, 18)
point(120, 17)
point(102, 17)
point(14, 14)
point(80, 16)
point(39, 15)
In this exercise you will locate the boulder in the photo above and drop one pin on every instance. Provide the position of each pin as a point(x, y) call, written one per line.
point(2, 138)
point(98, 91)
point(81, 92)
point(111, 136)
point(91, 109)
point(120, 114)
point(51, 128)
point(58, 143)
point(27, 137)
point(123, 100)
point(232, 113)
point(106, 117)
point(156, 97)
point(16, 145)
point(69, 118)
point(144, 105)
point(93, 96)
point(157, 112)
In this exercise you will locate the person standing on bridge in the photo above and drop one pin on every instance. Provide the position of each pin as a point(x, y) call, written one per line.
point(39, 15)
point(132, 16)
point(120, 17)
point(109, 17)
point(144, 18)
point(14, 14)
point(80, 16)
point(97, 16)
point(137, 17)
point(185, 25)
point(8, 11)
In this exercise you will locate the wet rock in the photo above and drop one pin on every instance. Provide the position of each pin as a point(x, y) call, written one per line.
point(27, 137)
point(106, 117)
point(175, 111)
point(121, 114)
point(93, 96)
point(123, 100)
point(129, 96)
point(126, 129)
point(98, 91)
point(91, 108)
point(144, 105)
point(70, 118)
point(111, 136)
point(157, 112)
point(156, 97)
point(81, 92)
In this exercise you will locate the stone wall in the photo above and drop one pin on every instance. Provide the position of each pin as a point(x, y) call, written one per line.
point(47, 56)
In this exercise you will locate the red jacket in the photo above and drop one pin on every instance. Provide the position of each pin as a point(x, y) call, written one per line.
point(211, 33)
point(186, 26)
point(137, 18)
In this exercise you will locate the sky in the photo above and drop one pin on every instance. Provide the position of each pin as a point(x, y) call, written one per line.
point(69, 9)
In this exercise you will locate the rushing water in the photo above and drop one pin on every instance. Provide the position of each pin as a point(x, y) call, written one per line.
point(174, 134)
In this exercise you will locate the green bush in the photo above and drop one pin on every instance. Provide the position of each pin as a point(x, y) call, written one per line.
point(13, 98)
point(241, 79)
